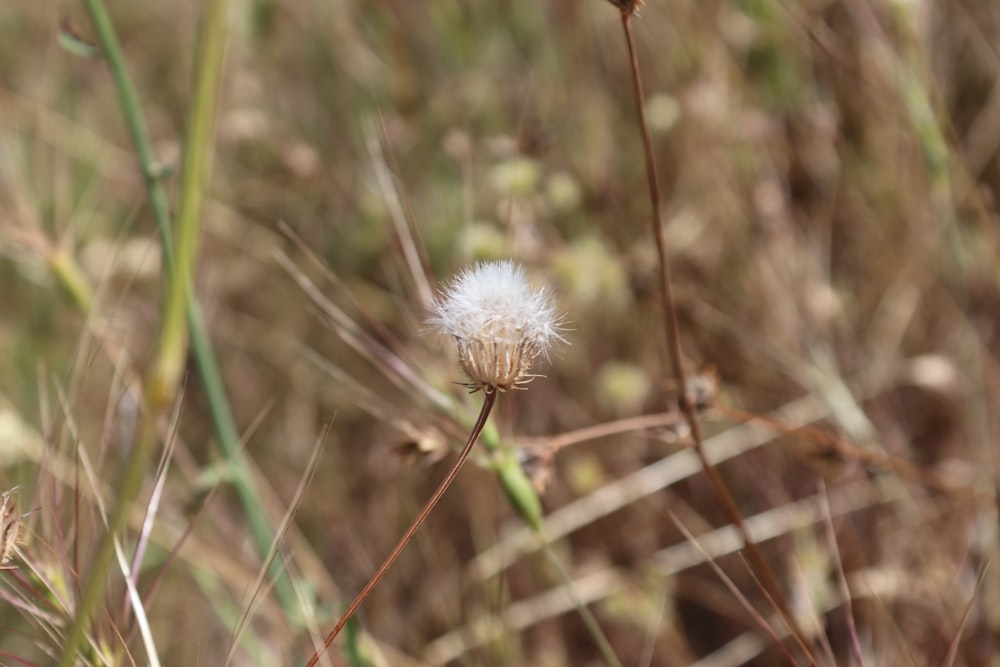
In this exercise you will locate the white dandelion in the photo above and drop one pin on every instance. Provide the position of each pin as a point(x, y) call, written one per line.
point(499, 322)
point(500, 325)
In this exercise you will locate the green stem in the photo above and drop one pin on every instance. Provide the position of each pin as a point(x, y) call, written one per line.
point(165, 374)
point(181, 312)
point(603, 645)
point(201, 348)
point(136, 123)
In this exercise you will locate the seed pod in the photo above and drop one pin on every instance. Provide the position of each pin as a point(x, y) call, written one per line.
point(499, 323)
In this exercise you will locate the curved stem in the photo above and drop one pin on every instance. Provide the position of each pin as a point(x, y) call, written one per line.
point(484, 414)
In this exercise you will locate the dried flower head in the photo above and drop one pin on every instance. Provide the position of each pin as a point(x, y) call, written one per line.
point(11, 527)
point(500, 324)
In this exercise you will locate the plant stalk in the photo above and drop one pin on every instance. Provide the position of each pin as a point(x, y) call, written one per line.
point(484, 413)
point(164, 375)
point(672, 327)
point(201, 347)
point(593, 627)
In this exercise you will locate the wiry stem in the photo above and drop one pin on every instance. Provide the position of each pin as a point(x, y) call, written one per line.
point(753, 552)
point(489, 400)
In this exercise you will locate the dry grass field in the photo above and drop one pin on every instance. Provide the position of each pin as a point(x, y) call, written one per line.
point(828, 173)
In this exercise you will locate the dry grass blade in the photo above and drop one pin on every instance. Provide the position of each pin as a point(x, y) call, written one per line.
point(953, 644)
point(137, 607)
point(93, 479)
point(630, 488)
point(764, 625)
point(831, 538)
point(403, 229)
point(384, 360)
point(384, 333)
point(286, 522)
point(667, 562)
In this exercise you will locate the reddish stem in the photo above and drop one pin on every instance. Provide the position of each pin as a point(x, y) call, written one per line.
point(753, 552)
point(484, 414)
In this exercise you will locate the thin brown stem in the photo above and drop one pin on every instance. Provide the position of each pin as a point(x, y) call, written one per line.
point(489, 400)
point(556, 443)
point(753, 552)
point(823, 443)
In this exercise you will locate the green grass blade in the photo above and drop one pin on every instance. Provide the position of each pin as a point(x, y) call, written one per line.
point(201, 347)
point(180, 312)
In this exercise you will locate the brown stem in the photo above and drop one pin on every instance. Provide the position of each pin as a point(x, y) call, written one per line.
point(753, 552)
point(824, 443)
point(556, 443)
point(490, 399)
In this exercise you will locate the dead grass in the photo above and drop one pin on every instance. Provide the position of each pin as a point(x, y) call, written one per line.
point(829, 174)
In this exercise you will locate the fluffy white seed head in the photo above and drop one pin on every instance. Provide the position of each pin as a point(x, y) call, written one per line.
point(499, 323)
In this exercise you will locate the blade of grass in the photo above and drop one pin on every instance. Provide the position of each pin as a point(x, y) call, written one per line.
point(759, 619)
point(293, 507)
point(845, 591)
point(164, 376)
point(201, 348)
point(603, 645)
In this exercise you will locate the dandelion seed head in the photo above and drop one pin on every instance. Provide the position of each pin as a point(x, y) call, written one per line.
point(499, 322)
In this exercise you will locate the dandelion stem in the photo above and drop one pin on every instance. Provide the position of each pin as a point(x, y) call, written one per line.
point(484, 413)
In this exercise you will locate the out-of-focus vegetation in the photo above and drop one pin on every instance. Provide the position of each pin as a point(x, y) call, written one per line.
point(829, 170)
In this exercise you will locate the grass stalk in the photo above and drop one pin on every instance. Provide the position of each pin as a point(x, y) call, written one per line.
point(593, 627)
point(167, 369)
point(148, 164)
point(71, 278)
point(488, 402)
point(672, 327)
point(525, 501)
point(201, 347)
point(164, 375)
point(128, 488)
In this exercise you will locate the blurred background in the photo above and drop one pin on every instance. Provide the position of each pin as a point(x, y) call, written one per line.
point(829, 174)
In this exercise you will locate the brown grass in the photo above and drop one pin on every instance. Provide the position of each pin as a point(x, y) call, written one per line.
point(828, 173)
